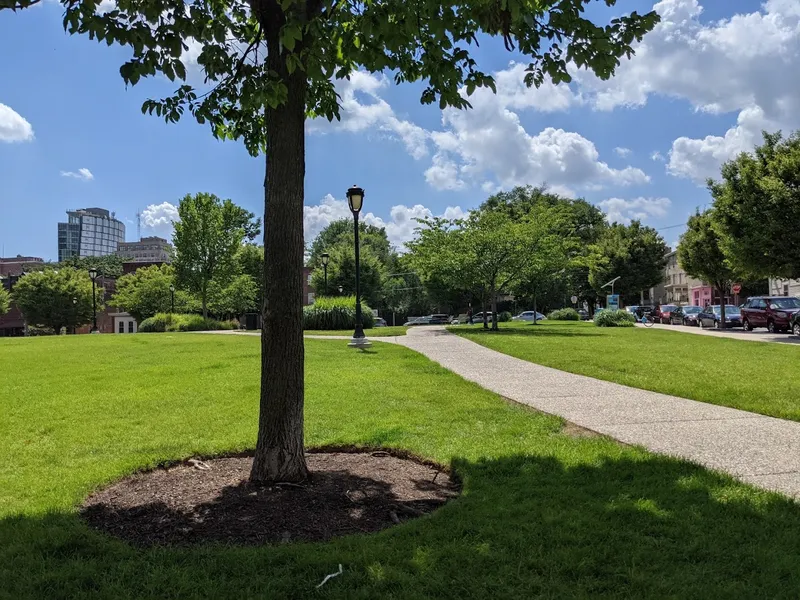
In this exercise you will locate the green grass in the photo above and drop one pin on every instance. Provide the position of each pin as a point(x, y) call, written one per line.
point(542, 514)
point(371, 333)
point(761, 378)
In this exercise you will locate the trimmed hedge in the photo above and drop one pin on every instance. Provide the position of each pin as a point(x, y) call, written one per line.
point(504, 317)
point(614, 318)
point(332, 313)
point(564, 314)
point(162, 322)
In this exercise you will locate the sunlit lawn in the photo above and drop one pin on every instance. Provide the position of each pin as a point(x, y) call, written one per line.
point(758, 377)
point(542, 514)
point(370, 333)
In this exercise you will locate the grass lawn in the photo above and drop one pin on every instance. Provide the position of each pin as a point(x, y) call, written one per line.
point(370, 333)
point(761, 378)
point(542, 514)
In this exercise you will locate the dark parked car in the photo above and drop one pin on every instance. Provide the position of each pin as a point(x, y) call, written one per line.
point(711, 316)
point(440, 319)
point(772, 312)
point(665, 313)
point(685, 315)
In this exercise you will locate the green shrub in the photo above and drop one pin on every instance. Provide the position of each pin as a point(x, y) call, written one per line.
point(614, 318)
point(564, 314)
point(504, 317)
point(162, 322)
point(331, 313)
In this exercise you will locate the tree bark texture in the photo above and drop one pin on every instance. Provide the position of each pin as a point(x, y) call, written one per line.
point(495, 326)
point(280, 453)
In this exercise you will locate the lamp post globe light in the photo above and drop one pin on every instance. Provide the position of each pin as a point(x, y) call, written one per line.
point(93, 277)
point(325, 259)
point(171, 299)
point(355, 199)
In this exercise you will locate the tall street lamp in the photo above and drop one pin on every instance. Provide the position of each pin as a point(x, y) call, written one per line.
point(93, 276)
point(75, 311)
point(171, 298)
point(355, 199)
point(325, 259)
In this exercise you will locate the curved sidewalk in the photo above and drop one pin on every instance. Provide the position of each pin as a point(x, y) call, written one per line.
point(761, 450)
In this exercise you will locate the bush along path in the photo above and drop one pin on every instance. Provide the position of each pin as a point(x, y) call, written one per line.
point(760, 450)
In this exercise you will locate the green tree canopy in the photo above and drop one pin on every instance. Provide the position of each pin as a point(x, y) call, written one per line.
point(146, 292)
point(757, 208)
point(270, 64)
point(5, 300)
point(701, 256)
point(634, 253)
point(56, 298)
point(341, 232)
point(342, 273)
point(250, 262)
point(234, 299)
point(206, 239)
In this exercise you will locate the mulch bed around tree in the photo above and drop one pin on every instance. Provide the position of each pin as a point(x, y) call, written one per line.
point(212, 501)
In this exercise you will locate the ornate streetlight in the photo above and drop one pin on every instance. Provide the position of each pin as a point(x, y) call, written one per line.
point(93, 276)
point(171, 298)
point(355, 198)
point(325, 259)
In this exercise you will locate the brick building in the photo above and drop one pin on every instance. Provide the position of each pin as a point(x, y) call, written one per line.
point(11, 269)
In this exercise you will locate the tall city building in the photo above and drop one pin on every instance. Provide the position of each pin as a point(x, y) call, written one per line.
point(89, 232)
point(151, 249)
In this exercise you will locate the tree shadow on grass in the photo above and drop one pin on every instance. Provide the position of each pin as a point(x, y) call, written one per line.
point(532, 330)
point(526, 526)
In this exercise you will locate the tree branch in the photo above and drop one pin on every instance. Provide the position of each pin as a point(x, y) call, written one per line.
point(6, 4)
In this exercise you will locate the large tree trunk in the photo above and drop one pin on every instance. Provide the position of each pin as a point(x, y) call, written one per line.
point(721, 306)
point(495, 326)
point(204, 298)
point(280, 454)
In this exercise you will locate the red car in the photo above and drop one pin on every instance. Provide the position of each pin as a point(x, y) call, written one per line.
point(664, 314)
point(773, 312)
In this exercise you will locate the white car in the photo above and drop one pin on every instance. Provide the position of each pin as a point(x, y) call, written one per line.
point(528, 316)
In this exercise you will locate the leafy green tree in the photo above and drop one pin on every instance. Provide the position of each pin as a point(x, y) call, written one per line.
point(634, 253)
point(57, 298)
point(702, 257)
point(236, 298)
point(206, 239)
point(757, 209)
point(146, 292)
point(270, 64)
point(342, 273)
point(341, 233)
point(250, 262)
point(5, 301)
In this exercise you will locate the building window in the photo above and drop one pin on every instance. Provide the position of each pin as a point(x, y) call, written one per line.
point(130, 326)
point(311, 297)
point(122, 326)
point(309, 278)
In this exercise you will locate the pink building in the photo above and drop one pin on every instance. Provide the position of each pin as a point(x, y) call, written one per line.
point(703, 295)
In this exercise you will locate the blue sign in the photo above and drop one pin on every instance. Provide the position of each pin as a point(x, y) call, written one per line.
point(612, 302)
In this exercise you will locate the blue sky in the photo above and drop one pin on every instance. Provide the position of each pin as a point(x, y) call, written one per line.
point(700, 89)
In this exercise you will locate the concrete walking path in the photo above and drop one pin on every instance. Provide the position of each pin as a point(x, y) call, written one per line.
point(761, 450)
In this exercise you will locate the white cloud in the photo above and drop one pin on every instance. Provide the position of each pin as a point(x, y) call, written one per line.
point(399, 226)
point(106, 6)
point(742, 64)
point(656, 156)
point(158, 218)
point(361, 108)
point(624, 211)
point(83, 174)
point(623, 152)
point(14, 127)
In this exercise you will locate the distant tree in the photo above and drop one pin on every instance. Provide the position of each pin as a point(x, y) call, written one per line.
point(634, 253)
point(701, 256)
point(340, 233)
point(5, 301)
point(342, 273)
point(236, 298)
point(206, 239)
point(108, 266)
point(146, 292)
point(757, 208)
point(250, 262)
point(56, 298)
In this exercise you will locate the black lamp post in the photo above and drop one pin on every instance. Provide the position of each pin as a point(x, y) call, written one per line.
point(325, 259)
point(355, 198)
point(75, 310)
point(171, 298)
point(341, 289)
point(93, 276)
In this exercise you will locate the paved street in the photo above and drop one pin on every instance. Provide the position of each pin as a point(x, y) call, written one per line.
point(760, 450)
point(759, 335)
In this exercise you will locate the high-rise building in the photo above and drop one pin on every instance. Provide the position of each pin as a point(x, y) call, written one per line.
point(151, 249)
point(89, 232)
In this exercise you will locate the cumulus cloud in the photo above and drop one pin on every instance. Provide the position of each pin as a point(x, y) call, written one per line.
point(83, 174)
point(739, 64)
point(623, 152)
point(14, 127)
point(656, 156)
point(362, 108)
point(619, 210)
point(399, 226)
point(158, 219)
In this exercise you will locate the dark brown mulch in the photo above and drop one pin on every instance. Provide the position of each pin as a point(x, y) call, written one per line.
point(191, 504)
